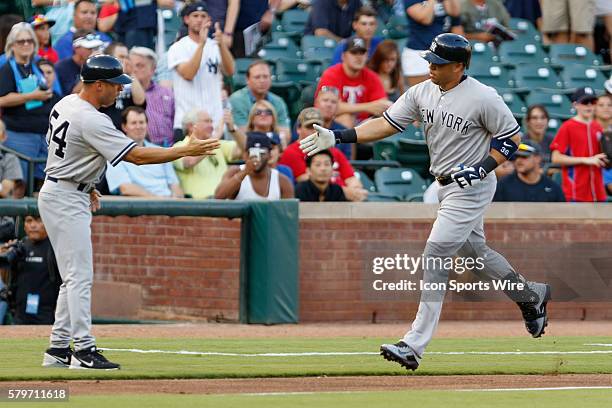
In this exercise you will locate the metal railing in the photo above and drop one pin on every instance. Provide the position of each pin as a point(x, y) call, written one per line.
point(32, 161)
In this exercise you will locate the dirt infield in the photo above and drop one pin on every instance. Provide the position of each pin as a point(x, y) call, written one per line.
point(456, 329)
point(323, 384)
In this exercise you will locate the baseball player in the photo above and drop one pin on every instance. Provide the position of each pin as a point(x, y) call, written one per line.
point(469, 132)
point(81, 141)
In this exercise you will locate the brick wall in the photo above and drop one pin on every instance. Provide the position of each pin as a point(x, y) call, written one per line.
point(189, 267)
point(186, 266)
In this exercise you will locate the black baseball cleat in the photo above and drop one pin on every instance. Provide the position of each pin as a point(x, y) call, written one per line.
point(91, 359)
point(400, 353)
point(534, 309)
point(57, 357)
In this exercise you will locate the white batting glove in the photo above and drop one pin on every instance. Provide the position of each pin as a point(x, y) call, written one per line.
point(320, 140)
point(467, 176)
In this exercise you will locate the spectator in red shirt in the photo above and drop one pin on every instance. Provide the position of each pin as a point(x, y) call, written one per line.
point(41, 26)
point(343, 173)
point(362, 94)
point(576, 148)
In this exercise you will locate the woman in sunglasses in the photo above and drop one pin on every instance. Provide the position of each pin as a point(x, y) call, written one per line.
point(263, 118)
point(26, 100)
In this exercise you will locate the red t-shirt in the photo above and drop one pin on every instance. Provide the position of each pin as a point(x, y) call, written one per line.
point(365, 87)
point(108, 10)
point(48, 53)
point(577, 139)
point(296, 159)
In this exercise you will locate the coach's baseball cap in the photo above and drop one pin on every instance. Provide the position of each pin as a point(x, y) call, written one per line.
point(193, 7)
point(355, 44)
point(527, 149)
point(584, 95)
point(309, 117)
point(258, 139)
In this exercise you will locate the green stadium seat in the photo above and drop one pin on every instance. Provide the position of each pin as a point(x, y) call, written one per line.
point(241, 66)
point(397, 27)
point(172, 25)
point(517, 52)
point(495, 75)
point(403, 182)
point(514, 102)
point(294, 22)
point(297, 71)
point(564, 55)
point(525, 30)
point(576, 76)
point(315, 42)
point(482, 53)
point(386, 149)
point(280, 47)
point(323, 55)
point(412, 150)
point(541, 77)
point(381, 29)
point(368, 184)
point(558, 105)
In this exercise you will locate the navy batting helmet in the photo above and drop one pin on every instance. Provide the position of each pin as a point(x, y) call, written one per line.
point(447, 48)
point(104, 68)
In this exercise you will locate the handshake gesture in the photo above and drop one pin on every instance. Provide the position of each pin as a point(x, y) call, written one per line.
point(322, 139)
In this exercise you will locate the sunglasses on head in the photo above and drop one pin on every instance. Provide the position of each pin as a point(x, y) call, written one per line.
point(331, 89)
point(588, 102)
point(262, 112)
point(24, 41)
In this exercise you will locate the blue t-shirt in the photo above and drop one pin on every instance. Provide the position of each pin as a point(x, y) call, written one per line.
point(607, 176)
point(527, 9)
point(511, 188)
point(142, 16)
point(155, 178)
point(328, 14)
point(64, 44)
point(421, 36)
point(68, 73)
point(286, 170)
point(340, 49)
point(250, 13)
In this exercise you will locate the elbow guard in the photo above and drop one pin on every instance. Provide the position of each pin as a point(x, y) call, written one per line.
point(506, 147)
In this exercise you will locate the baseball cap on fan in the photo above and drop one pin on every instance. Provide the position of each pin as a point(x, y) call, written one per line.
point(89, 40)
point(355, 44)
point(584, 95)
point(193, 7)
point(309, 117)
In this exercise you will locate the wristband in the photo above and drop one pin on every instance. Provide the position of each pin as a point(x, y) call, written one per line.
point(488, 165)
point(506, 147)
point(345, 136)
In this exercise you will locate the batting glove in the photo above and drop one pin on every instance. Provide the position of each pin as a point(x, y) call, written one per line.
point(467, 176)
point(320, 140)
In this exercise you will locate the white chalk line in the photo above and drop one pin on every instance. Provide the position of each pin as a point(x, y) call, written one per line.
point(538, 389)
point(598, 344)
point(356, 353)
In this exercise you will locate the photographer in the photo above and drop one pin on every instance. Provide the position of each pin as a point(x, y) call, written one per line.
point(34, 277)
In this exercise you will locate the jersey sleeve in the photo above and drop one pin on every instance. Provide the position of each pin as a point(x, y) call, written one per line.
point(497, 118)
point(561, 141)
point(111, 143)
point(404, 111)
point(176, 55)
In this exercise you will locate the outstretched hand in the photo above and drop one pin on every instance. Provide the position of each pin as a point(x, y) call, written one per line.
point(197, 147)
point(320, 140)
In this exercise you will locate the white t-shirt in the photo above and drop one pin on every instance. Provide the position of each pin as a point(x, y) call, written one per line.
point(204, 91)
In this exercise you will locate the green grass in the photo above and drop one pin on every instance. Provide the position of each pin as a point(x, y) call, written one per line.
point(403, 399)
point(23, 361)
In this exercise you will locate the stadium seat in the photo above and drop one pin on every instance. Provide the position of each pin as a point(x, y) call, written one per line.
point(412, 150)
point(172, 25)
point(494, 75)
point(564, 55)
point(482, 53)
point(241, 67)
point(517, 52)
point(381, 29)
point(397, 27)
point(557, 104)
point(315, 42)
point(298, 71)
point(280, 47)
point(294, 21)
point(368, 184)
point(382, 198)
point(403, 182)
point(576, 76)
point(525, 30)
point(386, 149)
point(543, 77)
point(514, 102)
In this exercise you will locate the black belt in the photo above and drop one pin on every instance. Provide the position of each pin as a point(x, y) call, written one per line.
point(80, 186)
point(444, 180)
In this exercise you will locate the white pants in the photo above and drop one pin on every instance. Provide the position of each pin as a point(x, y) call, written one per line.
point(413, 64)
point(67, 218)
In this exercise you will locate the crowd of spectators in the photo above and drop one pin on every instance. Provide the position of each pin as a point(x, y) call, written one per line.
point(187, 89)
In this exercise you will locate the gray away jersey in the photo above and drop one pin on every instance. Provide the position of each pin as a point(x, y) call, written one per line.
point(81, 140)
point(458, 123)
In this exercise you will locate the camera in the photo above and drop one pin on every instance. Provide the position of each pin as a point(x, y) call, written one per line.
point(14, 253)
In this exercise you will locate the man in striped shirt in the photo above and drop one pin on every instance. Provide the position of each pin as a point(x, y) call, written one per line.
point(160, 100)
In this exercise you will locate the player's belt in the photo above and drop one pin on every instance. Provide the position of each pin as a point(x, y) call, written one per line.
point(86, 188)
point(444, 180)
